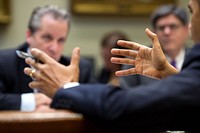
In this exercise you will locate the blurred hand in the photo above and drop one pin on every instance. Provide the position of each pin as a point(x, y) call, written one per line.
point(41, 99)
point(51, 75)
point(150, 62)
point(42, 103)
point(44, 108)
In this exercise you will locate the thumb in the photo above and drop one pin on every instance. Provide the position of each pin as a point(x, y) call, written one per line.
point(75, 59)
point(154, 39)
point(75, 63)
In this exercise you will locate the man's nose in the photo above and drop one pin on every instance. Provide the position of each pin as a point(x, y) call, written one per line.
point(54, 46)
point(167, 30)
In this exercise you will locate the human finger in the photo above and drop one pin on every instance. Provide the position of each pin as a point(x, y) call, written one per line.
point(74, 64)
point(124, 61)
point(36, 84)
point(42, 87)
point(127, 72)
point(33, 73)
point(40, 55)
point(129, 44)
point(154, 38)
point(75, 57)
point(124, 52)
point(33, 63)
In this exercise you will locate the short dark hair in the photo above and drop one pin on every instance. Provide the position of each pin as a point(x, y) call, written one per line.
point(39, 12)
point(110, 39)
point(165, 10)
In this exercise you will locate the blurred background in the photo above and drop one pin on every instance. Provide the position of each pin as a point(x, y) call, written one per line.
point(86, 30)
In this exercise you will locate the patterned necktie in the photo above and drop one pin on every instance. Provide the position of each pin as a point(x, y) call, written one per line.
point(173, 63)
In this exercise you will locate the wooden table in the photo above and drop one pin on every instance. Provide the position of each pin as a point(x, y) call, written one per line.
point(60, 121)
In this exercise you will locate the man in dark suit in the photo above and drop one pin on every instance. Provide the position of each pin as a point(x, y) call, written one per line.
point(170, 23)
point(173, 103)
point(48, 29)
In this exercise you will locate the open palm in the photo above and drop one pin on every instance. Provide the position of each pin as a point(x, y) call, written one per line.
point(146, 61)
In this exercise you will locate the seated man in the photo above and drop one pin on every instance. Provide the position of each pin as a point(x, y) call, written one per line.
point(48, 29)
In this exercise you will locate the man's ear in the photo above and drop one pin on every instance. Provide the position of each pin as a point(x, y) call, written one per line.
point(187, 30)
point(29, 36)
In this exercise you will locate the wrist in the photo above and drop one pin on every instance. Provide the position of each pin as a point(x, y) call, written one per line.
point(168, 70)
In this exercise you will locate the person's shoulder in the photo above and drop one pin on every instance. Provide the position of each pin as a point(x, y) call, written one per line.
point(9, 55)
point(11, 51)
point(8, 58)
point(7, 52)
point(189, 49)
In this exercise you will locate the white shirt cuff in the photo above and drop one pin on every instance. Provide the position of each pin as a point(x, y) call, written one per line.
point(27, 102)
point(70, 85)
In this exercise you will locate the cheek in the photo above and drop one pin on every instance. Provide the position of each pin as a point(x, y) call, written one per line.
point(194, 32)
point(191, 31)
point(40, 46)
point(60, 51)
point(161, 37)
point(36, 43)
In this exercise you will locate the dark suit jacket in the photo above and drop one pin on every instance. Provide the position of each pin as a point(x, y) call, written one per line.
point(13, 81)
point(170, 104)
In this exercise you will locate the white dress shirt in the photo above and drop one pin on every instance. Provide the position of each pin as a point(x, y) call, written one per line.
point(179, 59)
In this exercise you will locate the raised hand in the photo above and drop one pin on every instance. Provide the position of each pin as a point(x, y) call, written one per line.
point(51, 75)
point(146, 61)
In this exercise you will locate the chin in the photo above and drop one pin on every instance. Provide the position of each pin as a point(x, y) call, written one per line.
point(57, 59)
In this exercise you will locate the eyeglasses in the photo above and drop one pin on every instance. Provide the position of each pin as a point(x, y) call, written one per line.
point(172, 27)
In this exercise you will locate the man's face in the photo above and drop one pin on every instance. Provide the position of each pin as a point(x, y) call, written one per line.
point(171, 32)
point(195, 20)
point(50, 37)
point(106, 55)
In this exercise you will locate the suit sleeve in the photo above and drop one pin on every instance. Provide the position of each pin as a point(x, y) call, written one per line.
point(168, 104)
point(7, 102)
